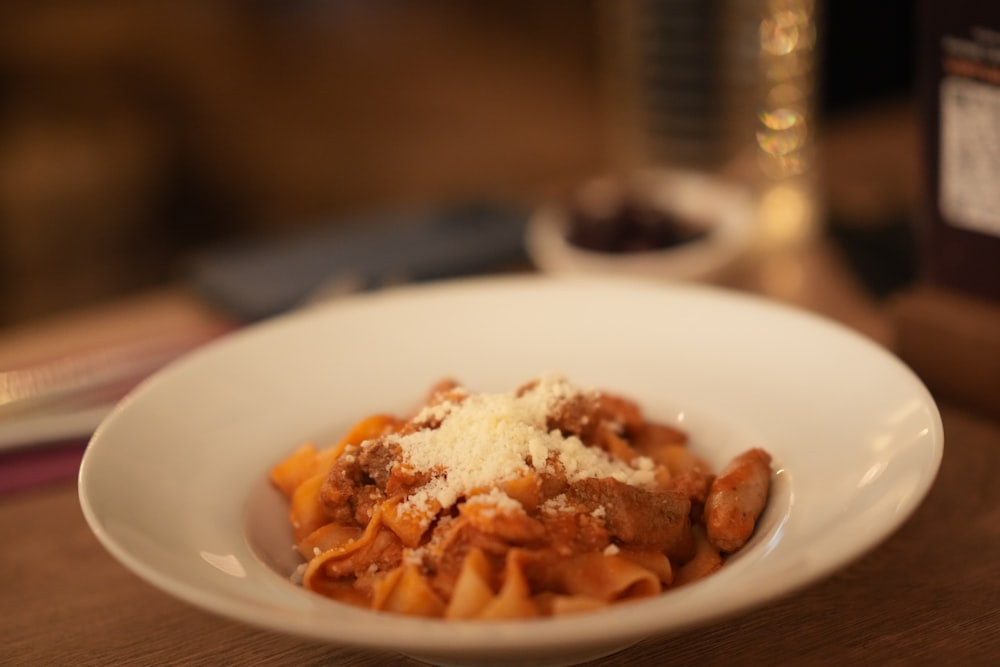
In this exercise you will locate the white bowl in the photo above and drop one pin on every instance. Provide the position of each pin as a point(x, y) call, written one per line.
point(723, 209)
point(174, 481)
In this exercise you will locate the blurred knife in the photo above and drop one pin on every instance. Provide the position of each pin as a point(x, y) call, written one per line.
point(264, 277)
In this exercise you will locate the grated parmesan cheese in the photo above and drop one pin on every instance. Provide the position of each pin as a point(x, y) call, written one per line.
point(497, 499)
point(435, 412)
point(488, 439)
point(556, 504)
point(298, 574)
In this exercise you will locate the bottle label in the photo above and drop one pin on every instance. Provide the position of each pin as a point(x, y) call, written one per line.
point(970, 133)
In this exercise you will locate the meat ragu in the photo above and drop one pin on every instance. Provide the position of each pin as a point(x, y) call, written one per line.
point(547, 500)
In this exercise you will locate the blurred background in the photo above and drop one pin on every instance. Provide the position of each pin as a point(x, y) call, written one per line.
point(134, 133)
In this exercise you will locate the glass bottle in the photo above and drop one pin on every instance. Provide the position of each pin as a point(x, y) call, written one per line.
point(960, 102)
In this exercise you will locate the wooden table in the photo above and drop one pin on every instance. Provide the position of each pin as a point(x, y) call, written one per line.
point(930, 594)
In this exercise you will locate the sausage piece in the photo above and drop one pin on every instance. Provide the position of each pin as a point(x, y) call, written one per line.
point(736, 499)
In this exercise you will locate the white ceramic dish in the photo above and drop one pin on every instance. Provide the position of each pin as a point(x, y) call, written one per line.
point(725, 210)
point(173, 482)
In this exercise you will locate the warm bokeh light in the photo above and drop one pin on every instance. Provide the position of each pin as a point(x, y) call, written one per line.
point(787, 215)
point(784, 134)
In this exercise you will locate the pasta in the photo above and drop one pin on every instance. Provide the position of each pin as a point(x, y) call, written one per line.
point(547, 500)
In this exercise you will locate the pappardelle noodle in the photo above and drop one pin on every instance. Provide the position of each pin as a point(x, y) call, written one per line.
point(544, 501)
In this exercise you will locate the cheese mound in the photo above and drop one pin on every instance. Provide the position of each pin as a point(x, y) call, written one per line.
point(487, 439)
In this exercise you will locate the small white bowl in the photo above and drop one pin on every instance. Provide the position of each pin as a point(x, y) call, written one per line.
point(725, 209)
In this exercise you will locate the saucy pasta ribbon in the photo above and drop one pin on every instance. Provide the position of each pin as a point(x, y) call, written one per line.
point(542, 539)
